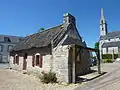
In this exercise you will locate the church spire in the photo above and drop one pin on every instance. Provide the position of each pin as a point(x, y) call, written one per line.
point(103, 24)
point(102, 14)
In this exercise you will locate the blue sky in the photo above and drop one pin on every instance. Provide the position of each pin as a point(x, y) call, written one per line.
point(24, 17)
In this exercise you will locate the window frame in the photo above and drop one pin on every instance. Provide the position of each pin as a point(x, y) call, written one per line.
point(40, 60)
point(8, 48)
point(1, 50)
point(7, 39)
point(37, 60)
point(16, 59)
point(1, 57)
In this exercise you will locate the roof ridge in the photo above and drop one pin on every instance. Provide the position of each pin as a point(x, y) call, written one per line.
point(50, 28)
point(11, 35)
point(45, 30)
point(113, 31)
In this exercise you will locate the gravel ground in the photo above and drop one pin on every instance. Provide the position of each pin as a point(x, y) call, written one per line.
point(14, 80)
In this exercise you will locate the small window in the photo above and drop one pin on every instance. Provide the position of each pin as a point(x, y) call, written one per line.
point(102, 28)
point(102, 22)
point(17, 60)
point(10, 47)
point(0, 58)
point(37, 60)
point(7, 39)
point(25, 56)
point(1, 48)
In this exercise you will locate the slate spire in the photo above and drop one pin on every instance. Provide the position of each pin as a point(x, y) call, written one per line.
point(103, 24)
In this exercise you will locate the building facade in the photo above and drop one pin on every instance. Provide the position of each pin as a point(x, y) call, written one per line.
point(53, 50)
point(109, 42)
point(7, 43)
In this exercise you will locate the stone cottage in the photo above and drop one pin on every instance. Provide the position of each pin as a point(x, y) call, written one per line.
point(53, 50)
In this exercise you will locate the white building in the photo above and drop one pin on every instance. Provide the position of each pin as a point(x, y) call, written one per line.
point(109, 42)
point(6, 44)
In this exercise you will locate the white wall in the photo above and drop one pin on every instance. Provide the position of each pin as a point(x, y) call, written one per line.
point(110, 50)
point(104, 51)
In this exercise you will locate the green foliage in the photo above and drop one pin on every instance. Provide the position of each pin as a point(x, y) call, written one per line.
point(109, 56)
point(41, 29)
point(97, 45)
point(93, 57)
point(49, 77)
point(108, 61)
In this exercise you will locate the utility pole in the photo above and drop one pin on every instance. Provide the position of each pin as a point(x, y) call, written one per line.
point(113, 55)
point(98, 62)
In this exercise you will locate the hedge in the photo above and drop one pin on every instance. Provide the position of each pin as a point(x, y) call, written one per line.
point(109, 56)
point(108, 61)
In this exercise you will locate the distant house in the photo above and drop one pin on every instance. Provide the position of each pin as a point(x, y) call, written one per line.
point(51, 49)
point(109, 42)
point(7, 42)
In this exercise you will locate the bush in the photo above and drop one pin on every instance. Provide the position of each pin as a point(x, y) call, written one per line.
point(108, 61)
point(49, 77)
point(109, 56)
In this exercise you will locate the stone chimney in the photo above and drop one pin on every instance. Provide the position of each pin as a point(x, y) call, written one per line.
point(68, 18)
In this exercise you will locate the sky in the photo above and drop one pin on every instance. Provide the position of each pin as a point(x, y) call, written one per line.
point(24, 17)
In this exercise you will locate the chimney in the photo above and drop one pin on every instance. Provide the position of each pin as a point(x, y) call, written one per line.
point(68, 18)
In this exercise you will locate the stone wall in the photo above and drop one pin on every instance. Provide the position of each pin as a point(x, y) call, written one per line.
point(57, 62)
point(60, 62)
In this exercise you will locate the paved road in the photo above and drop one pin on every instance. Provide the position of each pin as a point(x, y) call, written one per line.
point(109, 81)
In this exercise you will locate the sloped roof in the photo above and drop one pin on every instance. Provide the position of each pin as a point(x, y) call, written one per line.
point(40, 39)
point(111, 44)
point(111, 35)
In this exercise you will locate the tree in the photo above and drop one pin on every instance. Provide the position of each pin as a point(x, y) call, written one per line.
point(41, 29)
point(96, 45)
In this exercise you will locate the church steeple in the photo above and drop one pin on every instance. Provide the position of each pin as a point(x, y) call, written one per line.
point(103, 24)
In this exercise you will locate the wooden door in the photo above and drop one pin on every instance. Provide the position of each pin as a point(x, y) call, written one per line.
point(24, 64)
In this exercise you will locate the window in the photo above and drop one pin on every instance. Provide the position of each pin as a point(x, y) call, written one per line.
point(39, 61)
point(102, 29)
point(102, 22)
point(10, 47)
point(0, 58)
point(7, 39)
point(25, 56)
point(16, 60)
point(1, 48)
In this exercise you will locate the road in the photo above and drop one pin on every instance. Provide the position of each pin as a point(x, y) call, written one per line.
point(109, 81)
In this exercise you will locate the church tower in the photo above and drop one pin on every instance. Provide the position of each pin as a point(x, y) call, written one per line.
point(103, 24)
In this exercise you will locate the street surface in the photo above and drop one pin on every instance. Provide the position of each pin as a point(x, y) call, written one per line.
point(109, 81)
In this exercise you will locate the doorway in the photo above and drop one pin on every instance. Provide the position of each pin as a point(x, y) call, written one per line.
point(25, 61)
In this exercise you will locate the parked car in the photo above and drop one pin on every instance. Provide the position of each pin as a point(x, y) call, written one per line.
point(92, 62)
